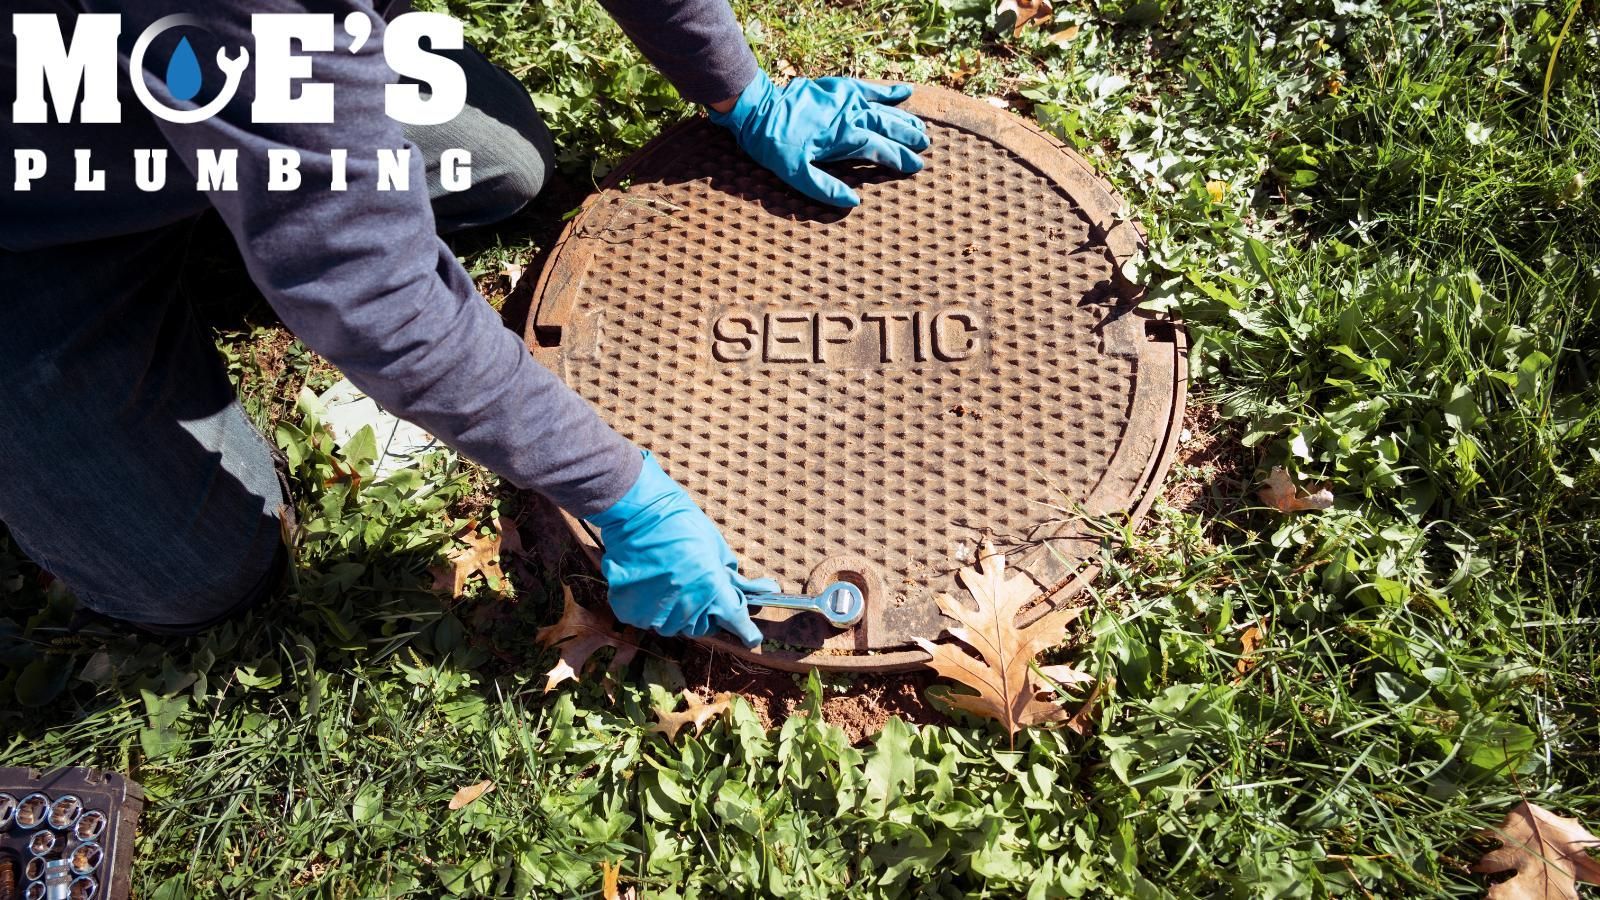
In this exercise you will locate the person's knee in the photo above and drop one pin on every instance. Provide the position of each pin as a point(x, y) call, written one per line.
point(502, 184)
point(512, 175)
point(512, 151)
point(185, 527)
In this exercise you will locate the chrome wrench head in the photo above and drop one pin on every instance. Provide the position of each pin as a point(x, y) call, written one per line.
point(841, 603)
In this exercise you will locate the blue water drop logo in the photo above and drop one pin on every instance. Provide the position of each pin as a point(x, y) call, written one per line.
point(183, 72)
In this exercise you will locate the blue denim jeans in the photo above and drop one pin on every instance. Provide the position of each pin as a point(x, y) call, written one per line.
point(127, 467)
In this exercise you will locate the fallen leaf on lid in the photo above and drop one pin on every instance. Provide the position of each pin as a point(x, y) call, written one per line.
point(998, 664)
point(696, 713)
point(470, 793)
point(1548, 853)
point(579, 634)
point(1281, 494)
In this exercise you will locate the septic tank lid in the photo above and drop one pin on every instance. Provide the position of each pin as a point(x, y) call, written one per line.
point(868, 394)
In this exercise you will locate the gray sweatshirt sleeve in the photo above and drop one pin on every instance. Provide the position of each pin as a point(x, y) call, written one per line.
point(697, 44)
point(360, 276)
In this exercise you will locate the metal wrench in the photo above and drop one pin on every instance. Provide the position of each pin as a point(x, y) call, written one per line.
point(841, 603)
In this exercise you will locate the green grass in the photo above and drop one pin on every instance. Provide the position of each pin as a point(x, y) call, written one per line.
point(1396, 296)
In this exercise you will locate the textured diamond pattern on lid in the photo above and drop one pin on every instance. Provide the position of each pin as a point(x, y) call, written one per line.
point(889, 383)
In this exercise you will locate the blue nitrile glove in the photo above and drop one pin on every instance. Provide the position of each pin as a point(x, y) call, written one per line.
point(790, 130)
point(668, 567)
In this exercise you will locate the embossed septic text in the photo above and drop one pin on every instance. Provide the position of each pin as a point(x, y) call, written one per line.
point(871, 337)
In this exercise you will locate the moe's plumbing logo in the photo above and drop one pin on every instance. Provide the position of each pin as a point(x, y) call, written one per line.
point(77, 80)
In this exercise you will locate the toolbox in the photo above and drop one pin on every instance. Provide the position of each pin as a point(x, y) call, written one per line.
point(66, 833)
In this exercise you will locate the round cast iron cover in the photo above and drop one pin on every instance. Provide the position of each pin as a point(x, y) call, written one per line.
point(866, 395)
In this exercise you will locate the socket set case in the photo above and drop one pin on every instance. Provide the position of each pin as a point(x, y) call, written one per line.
point(66, 834)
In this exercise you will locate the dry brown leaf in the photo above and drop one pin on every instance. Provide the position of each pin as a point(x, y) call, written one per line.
point(480, 555)
point(962, 66)
point(696, 713)
point(578, 634)
point(1065, 35)
point(510, 538)
point(608, 879)
point(1021, 13)
point(1249, 642)
point(1548, 852)
point(1280, 493)
point(470, 793)
point(341, 472)
point(1007, 689)
point(1066, 675)
point(1082, 720)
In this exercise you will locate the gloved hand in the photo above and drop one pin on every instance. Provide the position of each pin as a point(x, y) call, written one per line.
point(668, 567)
point(790, 130)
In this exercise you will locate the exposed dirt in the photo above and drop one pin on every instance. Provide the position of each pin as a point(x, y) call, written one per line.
point(859, 704)
point(1213, 467)
point(866, 702)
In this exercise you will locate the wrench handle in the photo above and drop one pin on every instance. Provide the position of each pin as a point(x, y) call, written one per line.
point(841, 603)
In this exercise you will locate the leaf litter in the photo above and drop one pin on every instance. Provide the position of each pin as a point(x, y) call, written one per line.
point(480, 556)
point(1000, 666)
point(1280, 493)
point(467, 795)
point(1549, 855)
point(579, 634)
point(695, 714)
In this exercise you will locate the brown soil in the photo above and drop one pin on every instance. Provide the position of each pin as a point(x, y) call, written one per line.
point(861, 708)
point(1213, 467)
point(868, 701)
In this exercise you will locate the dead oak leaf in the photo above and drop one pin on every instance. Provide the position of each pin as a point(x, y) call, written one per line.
point(1549, 854)
point(1250, 641)
point(481, 555)
point(1007, 689)
point(1280, 493)
point(578, 635)
point(1066, 675)
point(1065, 35)
point(1018, 14)
point(510, 537)
point(470, 793)
point(609, 871)
point(1083, 719)
point(696, 713)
